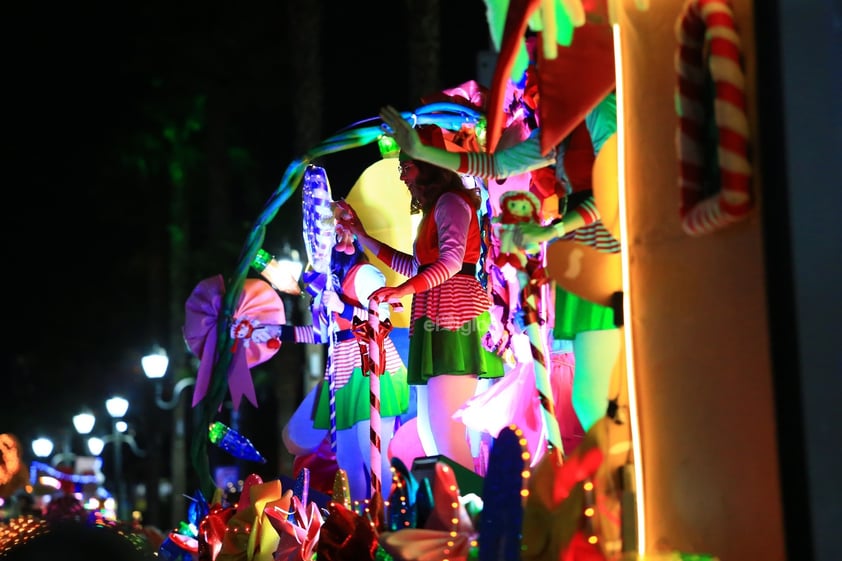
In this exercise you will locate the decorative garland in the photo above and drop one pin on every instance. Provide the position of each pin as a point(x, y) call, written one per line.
point(82, 479)
point(706, 31)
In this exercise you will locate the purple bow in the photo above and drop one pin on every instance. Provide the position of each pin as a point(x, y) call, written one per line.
point(259, 303)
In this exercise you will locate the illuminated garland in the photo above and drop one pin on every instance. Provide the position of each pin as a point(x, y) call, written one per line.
point(706, 30)
point(35, 467)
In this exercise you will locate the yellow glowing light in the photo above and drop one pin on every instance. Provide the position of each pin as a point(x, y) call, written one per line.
point(589, 511)
point(627, 309)
point(592, 540)
point(588, 486)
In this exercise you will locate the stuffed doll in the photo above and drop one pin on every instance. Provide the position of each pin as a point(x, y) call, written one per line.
point(516, 207)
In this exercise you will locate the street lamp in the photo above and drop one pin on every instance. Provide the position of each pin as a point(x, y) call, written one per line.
point(155, 368)
point(84, 422)
point(96, 444)
point(117, 408)
point(42, 447)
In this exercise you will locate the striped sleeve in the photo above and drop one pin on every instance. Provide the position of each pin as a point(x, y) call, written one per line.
point(305, 334)
point(588, 211)
point(520, 158)
point(453, 218)
point(596, 236)
point(400, 262)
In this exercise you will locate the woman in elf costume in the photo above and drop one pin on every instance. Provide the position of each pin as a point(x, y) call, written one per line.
point(358, 279)
point(589, 325)
point(450, 308)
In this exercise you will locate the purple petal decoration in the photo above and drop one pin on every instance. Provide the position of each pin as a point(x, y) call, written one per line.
point(301, 489)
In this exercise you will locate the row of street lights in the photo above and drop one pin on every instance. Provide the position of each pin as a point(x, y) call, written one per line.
point(283, 274)
point(84, 422)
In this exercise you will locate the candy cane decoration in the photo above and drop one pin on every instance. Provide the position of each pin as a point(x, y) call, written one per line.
point(533, 280)
point(531, 300)
point(706, 27)
point(378, 367)
point(371, 337)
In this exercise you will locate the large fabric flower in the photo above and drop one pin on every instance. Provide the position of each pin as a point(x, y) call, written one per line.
point(259, 304)
point(250, 534)
point(299, 538)
point(212, 531)
point(346, 536)
point(448, 533)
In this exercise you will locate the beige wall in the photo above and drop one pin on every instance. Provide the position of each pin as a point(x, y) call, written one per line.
point(699, 327)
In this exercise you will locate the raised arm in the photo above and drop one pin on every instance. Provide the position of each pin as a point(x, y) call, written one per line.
point(520, 158)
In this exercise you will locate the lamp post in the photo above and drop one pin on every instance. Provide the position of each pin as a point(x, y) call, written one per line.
point(117, 408)
point(155, 367)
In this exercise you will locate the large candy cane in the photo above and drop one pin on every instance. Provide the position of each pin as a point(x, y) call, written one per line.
point(374, 346)
point(706, 28)
point(371, 336)
point(531, 301)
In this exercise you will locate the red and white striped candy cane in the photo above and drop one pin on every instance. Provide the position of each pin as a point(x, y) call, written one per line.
point(374, 343)
point(531, 302)
point(706, 31)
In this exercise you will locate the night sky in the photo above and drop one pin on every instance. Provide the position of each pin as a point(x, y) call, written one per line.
point(87, 92)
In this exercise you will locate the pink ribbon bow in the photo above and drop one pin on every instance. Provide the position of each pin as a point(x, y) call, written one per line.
point(259, 304)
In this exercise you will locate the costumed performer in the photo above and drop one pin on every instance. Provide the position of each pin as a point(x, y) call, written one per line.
point(590, 325)
point(450, 308)
point(358, 279)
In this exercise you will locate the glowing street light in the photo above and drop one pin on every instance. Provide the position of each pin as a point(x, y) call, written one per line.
point(84, 422)
point(155, 364)
point(117, 408)
point(155, 367)
point(42, 447)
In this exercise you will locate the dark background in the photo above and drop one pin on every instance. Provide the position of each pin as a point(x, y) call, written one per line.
point(109, 106)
